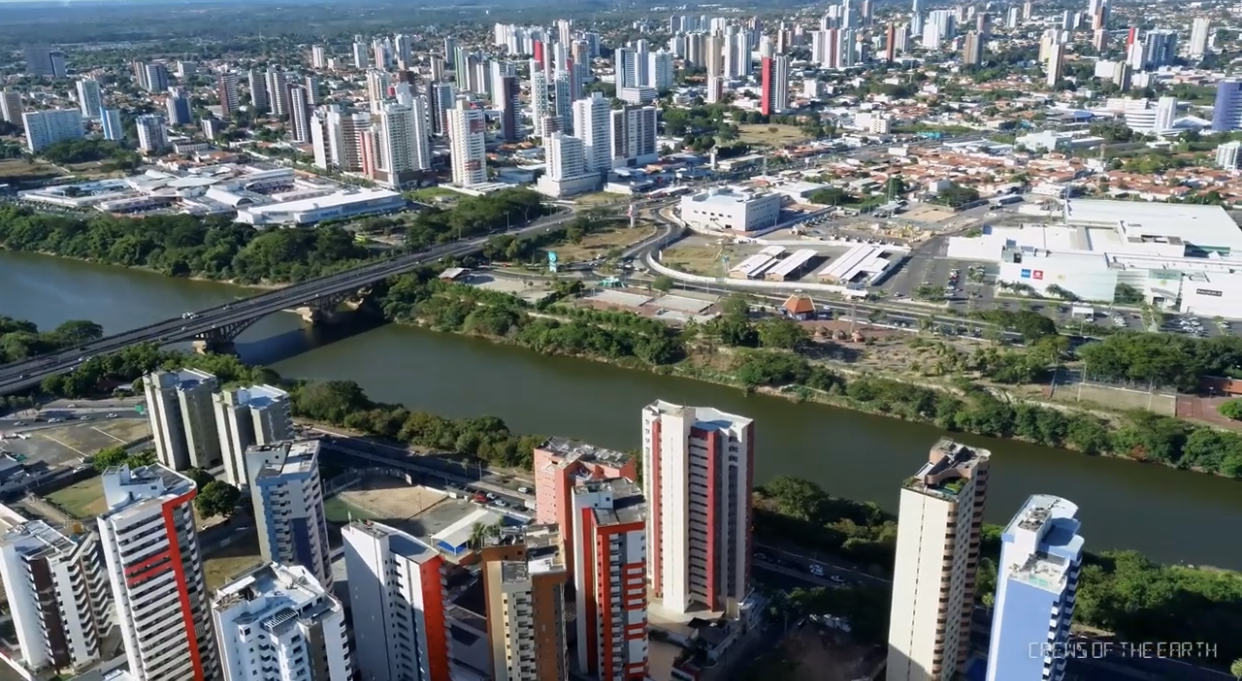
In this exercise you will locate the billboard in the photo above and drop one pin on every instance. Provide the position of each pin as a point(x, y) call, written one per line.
point(552, 261)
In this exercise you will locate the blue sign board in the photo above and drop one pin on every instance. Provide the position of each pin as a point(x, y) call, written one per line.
point(1026, 274)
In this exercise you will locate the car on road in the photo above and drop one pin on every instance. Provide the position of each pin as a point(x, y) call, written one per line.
point(479, 498)
point(817, 569)
point(112, 415)
point(523, 490)
point(500, 503)
point(20, 423)
point(837, 578)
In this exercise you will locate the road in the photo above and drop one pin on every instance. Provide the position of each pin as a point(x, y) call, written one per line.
point(26, 374)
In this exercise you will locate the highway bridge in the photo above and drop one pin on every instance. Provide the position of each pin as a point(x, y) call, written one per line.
point(218, 326)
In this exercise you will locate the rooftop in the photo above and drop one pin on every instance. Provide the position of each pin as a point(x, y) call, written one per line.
point(1042, 543)
point(183, 379)
point(399, 543)
point(1201, 225)
point(706, 418)
point(574, 450)
point(128, 489)
point(730, 196)
point(950, 465)
point(286, 458)
point(628, 505)
point(37, 539)
point(258, 396)
point(275, 596)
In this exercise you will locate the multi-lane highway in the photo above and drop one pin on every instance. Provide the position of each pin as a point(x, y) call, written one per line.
point(202, 323)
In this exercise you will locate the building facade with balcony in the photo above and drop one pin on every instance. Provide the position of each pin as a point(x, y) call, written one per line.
point(288, 506)
point(524, 581)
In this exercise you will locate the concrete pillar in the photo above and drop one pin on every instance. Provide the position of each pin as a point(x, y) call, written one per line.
point(217, 347)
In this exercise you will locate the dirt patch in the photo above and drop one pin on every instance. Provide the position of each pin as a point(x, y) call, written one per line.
point(1204, 410)
point(707, 260)
point(1118, 398)
point(764, 134)
point(926, 213)
point(597, 244)
point(391, 499)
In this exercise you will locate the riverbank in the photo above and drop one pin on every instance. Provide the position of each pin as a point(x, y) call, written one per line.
point(1120, 592)
point(779, 357)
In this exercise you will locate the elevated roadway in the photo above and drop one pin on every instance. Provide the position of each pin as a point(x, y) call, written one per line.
point(221, 324)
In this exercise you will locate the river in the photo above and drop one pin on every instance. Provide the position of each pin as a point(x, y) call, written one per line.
point(1169, 515)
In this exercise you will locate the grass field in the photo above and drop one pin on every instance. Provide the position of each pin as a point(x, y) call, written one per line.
point(83, 499)
point(599, 243)
point(339, 511)
point(431, 194)
point(705, 260)
point(760, 134)
point(225, 563)
point(16, 170)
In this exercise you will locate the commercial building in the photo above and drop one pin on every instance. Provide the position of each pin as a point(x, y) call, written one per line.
point(1167, 251)
point(560, 465)
point(467, 131)
point(277, 623)
point(1037, 580)
point(940, 517)
point(257, 415)
point(45, 128)
point(150, 544)
point(334, 206)
point(697, 478)
point(524, 577)
point(397, 604)
point(288, 506)
point(610, 556)
point(56, 591)
point(733, 209)
point(183, 423)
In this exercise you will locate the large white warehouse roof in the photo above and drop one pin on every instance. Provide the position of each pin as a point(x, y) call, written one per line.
point(1207, 226)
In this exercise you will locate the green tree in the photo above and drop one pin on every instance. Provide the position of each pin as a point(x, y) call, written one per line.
point(109, 458)
point(1231, 410)
point(200, 477)
point(663, 283)
point(785, 334)
point(217, 498)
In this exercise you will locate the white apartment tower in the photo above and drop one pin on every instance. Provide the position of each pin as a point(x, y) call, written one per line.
point(90, 100)
point(45, 128)
point(698, 476)
point(300, 113)
point(319, 57)
point(660, 70)
point(1199, 37)
point(277, 623)
point(467, 130)
point(593, 125)
point(610, 555)
point(402, 145)
point(257, 415)
point(150, 545)
point(337, 138)
point(939, 520)
point(57, 592)
point(397, 599)
point(179, 408)
point(258, 89)
point(540, 104)
point(288, 506)
point(11, 106)
point(152, 134)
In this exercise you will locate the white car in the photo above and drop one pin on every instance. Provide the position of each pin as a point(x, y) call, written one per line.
point(817, 570)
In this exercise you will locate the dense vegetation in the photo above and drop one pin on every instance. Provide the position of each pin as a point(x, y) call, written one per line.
point(103, 374)
point(215, 248)
point(1121, 592)
point(343, 403)
point(1161, 359)
point(466, 309)
point(21, 340)
point(87, 150)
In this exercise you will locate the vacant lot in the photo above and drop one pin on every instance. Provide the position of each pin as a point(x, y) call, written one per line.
point(222, 564)
point(811, 654)
point(389, 499)
point(760, 134)
point(705, 260)
point(14, 170)
point(435, 195)
point(83, 499)
point(597, 244)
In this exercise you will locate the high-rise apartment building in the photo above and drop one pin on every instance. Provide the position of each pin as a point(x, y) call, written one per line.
point(1056, 64)
point(277, 623)
point(152, 133)
point(562, 89)
point(467, 131)
point(1199, 37)
point(257, 415)
point(319, 57)
point(560, 465)
point(1159, 48)
point(362, 58)
point(42, 60)
point(1227, 112)
point(524, 577)
point(1036, 582)
point(972, 49)
point(401, 140)
point(259, 99)
point(633, 131)
point(178, 106)
point(939, 520)
point(288, 506)
point(660, 70)
point(56, 591)
point(565, 164)
point(1229, 156)
point(11, 106)
point(45, 128)
point(226, 91)
point(150, 545)
point(697, 478)
point(540, 102)
point(593, 125)
point(277, 92)
point(299, 113)
point(113, 127)
point(507, 101)
point(397, 600)
point(90, 99)
point(774, 85)
point(179, 407)
point(610, 555)
point(156, 79)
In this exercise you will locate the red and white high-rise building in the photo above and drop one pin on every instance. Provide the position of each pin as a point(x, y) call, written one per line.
point(698, 467)
point(150, 545)
point(610, 552)
point(774, 81)
point(397, 599)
